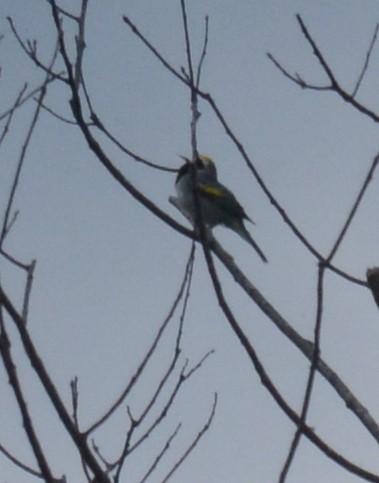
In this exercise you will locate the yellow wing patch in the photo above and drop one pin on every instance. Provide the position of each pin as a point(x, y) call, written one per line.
point(210, 190)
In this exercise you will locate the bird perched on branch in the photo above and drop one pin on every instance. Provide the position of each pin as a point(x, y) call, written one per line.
point(218, 204)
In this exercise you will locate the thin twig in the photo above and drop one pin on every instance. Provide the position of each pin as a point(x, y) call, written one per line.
point(187, 40)
point(30, 50)
point(203, 53)
point(14, 261)
point(50, 388)
point(194, 443)
point(148, 354)
point(161, 453)
point(334, 83)
point(5, 225)
point(150, 46)
point(191, 78)
point(100, 125)
point(128, 447)
point(58, 116)
point(311, 377)
point(75, 400)
point(296, 78)
point(27, 97)
point(367, 61)
point(10, 224)
point(11, 112)
point(19, 463)
point(136, 422)
point(119, 463)
point(190, 266)
point(63, 11)
point(80, 44)
point(183, 378)
point(28, 290)
point(355, 207)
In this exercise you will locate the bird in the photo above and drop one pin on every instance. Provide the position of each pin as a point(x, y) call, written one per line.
point(217, 203)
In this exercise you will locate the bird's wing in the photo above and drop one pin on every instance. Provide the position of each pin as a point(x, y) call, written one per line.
point(223, 198)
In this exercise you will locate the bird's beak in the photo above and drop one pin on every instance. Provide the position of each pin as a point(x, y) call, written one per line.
point(185, 159)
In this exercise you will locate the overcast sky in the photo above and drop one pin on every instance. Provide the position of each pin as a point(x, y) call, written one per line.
point(108, 270)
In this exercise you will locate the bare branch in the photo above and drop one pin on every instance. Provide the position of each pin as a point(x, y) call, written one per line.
point(5, 352)
point(242, 151)
point(187, 41)
point(5, 226)
point(98, 151)
point(183, 377)
point(18, 463)
point(194, 443)
point(150, 46)
point(316, 353)
point(100, 125)
point(367, 61)
point(80, 44)
point(191, 79)
point(75, 400)
point(305, 346)
point(136, 422)
point(57, 116)
point(355, 207)
point(30, 49)
point(63, 11)
point(10, 224)
point(11, 112)
point(25, 98)
point(296, 78)
point(50, 388)
point(210, 246)
point(14, 261)
point(6, 222)
point(119, 463)
point(161, 453)
point(335, 85)
point(268, 384)
point(28, 289)
point(203, 53)
point(272, 198)
point(318, 54)
point(186, 281)
point(320, 289)
point(311, 377)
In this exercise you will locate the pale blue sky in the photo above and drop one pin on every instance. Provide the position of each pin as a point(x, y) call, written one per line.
point(107, 270)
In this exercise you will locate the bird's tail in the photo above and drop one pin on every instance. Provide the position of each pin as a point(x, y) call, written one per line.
point(243, 233)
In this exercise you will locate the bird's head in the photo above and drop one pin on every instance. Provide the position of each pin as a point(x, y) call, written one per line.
point(204, 165)
point(204, 161)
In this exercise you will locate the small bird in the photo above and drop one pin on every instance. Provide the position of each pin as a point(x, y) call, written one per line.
point(218, 204)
